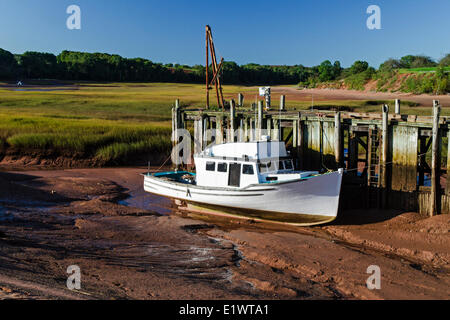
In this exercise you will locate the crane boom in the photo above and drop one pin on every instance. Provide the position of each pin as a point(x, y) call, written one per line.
point(215, 69)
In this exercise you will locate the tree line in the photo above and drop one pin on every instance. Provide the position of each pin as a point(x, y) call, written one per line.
point(73, 65)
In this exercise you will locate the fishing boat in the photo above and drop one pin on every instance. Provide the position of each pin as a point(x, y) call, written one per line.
point(254, 180)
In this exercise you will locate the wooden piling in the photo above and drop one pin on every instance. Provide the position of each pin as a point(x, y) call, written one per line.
point(259, 121)
point(435, 161)
point(176, 116)
point(241, 137)
point(205, 127)
point(447, 187)
point(175, 120)
point(219, 130)
point(397, 106)
point(198, 134)
point(352, 152)
point(300, 145)
point(251, 129)
point(240, 100)
point(275, 130)
point(384, 154)
point(282, 102)
point(422, 159)
point(269, 127)
point(404, 157)
point(231, 121)
point(246, 133)
point(294, 136)
point(337, 140)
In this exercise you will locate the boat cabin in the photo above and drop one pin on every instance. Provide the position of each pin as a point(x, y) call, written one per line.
point(240, 164)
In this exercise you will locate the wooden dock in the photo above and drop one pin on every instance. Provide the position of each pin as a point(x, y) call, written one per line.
point(391, 160)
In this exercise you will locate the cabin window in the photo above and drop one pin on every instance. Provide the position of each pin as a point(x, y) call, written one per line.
point(247, 169)
point(210, 166)
point(265, 166)
point(288, 164)
point(280, 165)
point(222, 167)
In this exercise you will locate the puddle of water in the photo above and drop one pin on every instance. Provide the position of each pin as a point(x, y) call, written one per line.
point(4, 214)
point(28, 203)
point(147, 201)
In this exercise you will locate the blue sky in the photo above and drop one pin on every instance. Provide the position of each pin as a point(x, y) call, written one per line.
point(264, 32)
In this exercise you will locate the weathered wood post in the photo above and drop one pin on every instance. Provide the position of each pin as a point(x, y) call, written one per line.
point(294, 137)
point(282, 103)
point(338, 140)
point(384, 154)
point(198, 134)
point(269, 127)
point(435, 162)
point(252, 129)
point(297, 138)
point(422, 159)
point(232, 121)
point(175, 120)
point(300, 143)
point(240, 100)
point(275, 131)
point(206, 126)
point(397, 106)
point(447, 186)
point(241, 137)
point(352, 152)
point(246, 134)
point(175, 134)
point(260, 120)
point(219, 130)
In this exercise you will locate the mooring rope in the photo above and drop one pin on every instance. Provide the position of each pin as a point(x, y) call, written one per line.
point(162, 164)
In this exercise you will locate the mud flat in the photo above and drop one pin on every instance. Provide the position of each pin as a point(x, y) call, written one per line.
point(132, 245)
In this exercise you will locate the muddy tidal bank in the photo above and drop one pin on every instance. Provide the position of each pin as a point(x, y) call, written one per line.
point(132, 245)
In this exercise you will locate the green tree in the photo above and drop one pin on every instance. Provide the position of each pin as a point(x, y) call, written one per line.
point(358, 67)
point(390, 65)
point(326, 71)
point(230, 72)
point(337, 69)
point(39, 65)
point(445, 61)
point(406, 61)
point(8, 65)
point(411, 61)
point(422, 62)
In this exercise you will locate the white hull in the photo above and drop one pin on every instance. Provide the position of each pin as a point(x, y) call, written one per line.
point(315, 198)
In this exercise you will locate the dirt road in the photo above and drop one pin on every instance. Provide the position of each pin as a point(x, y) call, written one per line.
point(334, 94)
point(132, 245)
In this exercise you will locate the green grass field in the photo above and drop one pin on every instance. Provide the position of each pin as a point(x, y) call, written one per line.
point(114, 122)
point(421, 70)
